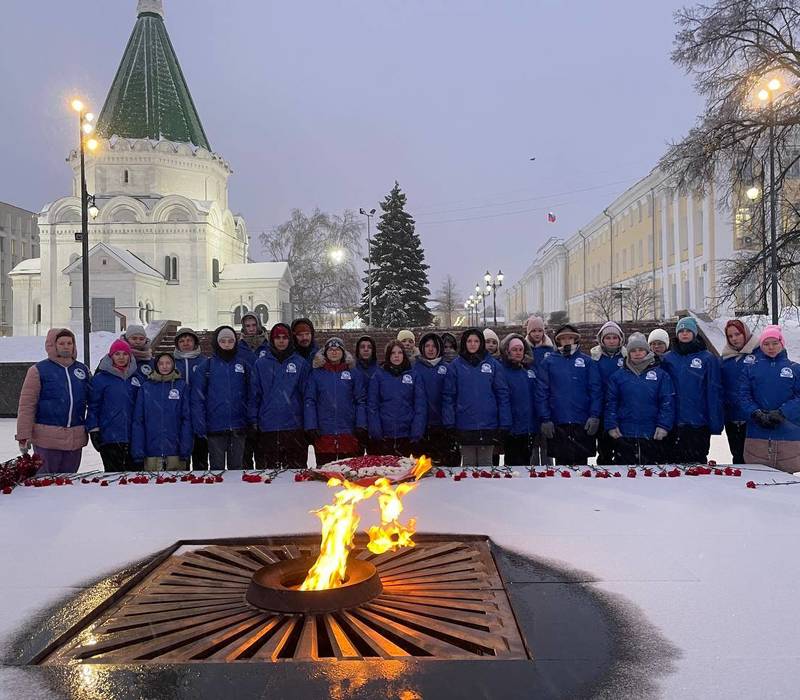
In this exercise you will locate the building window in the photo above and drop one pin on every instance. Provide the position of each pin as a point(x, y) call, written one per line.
point(215, 271)
point(262, 313)
point(141, 312)
point(238, 312)
point(148, 313)
point(126, 177)
point(38, 313)
point(171, 268)
point(641, 253)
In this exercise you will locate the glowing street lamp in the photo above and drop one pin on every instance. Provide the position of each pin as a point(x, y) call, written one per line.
point(337, 256)
point(492, 283)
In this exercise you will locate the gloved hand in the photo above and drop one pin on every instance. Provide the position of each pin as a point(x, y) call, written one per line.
point(762, 418)
point(548, 430)
point(776, 417)
point(94, 436)
point(660, 434)
point(592, 426)
point(361, 435)
point(615, 433)
point(24, 446)
point(312, 435)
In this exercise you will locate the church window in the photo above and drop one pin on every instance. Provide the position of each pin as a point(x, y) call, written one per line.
point(262, 312)
point(141, 312)
point(215, 271)
point(38, 313)
point(126, 177)
point(171, 268)
point(148, 313)
point(238, 312)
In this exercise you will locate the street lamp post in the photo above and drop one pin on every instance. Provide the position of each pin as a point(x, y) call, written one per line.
point(369, 214)
point(481, 294)
point(620, 292)
point(767, 95)
point(85, 127)
point(494, 283)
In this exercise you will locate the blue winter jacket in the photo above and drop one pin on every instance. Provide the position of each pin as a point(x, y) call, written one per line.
point(144, 368)
point(335, 402)
point(63, 395)
point(162, 425)
point(250, 356)
point(540, 352)
point(186, 367)
point(112, 401)
point(698, 390)
point(219, 395)
point(768, 385)
point(367, 372)
point(569, 389)
point(522, 397)
point(731, 369)
point(432, 377)
point(608, 366)
point(638, 404)
point(396, 405)
point(275, 398)
point(475, 397)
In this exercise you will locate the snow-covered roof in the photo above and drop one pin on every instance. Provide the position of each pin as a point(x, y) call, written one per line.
point(254, 271)
point(125, 257)
point(31, 266)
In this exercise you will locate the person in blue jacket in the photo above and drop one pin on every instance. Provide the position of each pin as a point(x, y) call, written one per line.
point(539, 341)
point(366, 356)
point(449, 347)
point(570, 398)
point(335, 416)
point(431, 368)
point(162, 423)
point(253, 341)
point(741, 349)
point(188, 356)
point(639, 412)
point(475, 401)
point(517, 364)
point(609, 353)
point(219, 401)
point(303, 337)
point(396, 407)
point(142, 352)
point(698, 407)
point(109, 419)
point(275, 405)
point(770, 396)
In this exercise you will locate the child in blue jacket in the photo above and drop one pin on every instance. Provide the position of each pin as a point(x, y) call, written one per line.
point(517, 363)
point(431, 367)
point(609, 353)
point(335, 415)
point(639, 412)
point(475, 400)
point(187, 357)
point(219, 401)
point(110, 416)
point(396, 407)
point(275, 405)
point(698, 406)
point(770, 397)
point(162, 423)
point(570, 399)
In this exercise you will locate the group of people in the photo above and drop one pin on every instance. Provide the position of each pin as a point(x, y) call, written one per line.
point(261, 398)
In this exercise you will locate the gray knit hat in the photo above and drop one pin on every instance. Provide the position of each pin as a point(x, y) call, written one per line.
point(334, 343)
point(135, 329)
point(637, 341)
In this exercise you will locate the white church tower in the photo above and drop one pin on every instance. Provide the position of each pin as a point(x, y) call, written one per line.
point(164, 244)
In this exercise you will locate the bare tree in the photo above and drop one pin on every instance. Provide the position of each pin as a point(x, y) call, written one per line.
point(640, 298)
point(322, 250)
point(733, 48)
point(447, 301)
point(601, 302)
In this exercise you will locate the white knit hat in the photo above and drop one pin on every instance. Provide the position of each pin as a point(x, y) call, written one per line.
point(658, 334)
point(489, 334)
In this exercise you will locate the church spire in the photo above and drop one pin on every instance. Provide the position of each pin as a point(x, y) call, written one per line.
point(149, 98)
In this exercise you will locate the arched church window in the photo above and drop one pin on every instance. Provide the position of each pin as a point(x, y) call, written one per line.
point(148, 313)
point(141, 312)
point(171, 268)
point(238, 312)
point(215, 271)
point(262, 312)
point(126, 177)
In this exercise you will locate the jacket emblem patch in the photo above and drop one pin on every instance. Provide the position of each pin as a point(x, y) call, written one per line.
point(486, 368)
point(146, 369)
point(787, 372)
point(441, 370)
point(79, 373)
point(174, 394)
point(291, 368)
point(239, 368)
point(135, 382)
point(651, 375)
point(531, 374)
point(579, 362)
point(750, 359)
point(345, 375)
point(408, 379)
point(696, 363)
point(620, 362)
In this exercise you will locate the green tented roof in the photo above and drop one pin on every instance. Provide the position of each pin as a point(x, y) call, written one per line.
point(149, 98)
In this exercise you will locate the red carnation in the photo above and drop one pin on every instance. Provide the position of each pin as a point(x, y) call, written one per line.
point(648, 472)
point(631, 473)
point(751, 484)
point(7, 490)
point(566, 474)
point(440, 474)
point(587, 473)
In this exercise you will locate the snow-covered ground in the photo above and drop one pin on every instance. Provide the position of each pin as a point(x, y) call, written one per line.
point(31, 348)
point(709, 562)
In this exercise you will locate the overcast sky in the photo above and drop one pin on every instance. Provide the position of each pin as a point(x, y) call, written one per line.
point(324, 104)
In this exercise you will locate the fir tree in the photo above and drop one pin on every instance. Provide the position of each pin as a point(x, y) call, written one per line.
point(399, 274)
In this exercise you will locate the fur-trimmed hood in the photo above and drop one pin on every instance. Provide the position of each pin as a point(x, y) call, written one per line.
point(527, 358)
point(320, 360)
point(749, 348)
point(50, 345)
point(597, 352)
point(547, 342)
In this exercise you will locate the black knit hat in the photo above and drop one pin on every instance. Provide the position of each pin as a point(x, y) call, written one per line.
point(567, 328)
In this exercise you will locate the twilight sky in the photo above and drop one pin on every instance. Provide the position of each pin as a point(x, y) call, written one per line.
point(325, 103)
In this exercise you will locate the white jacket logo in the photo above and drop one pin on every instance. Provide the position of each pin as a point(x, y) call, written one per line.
point(441, 370)
point(135, 382)
point(787, 372)
point(620, 362)
point(174, 394)
point(79, 373)
point(291, 368)
point(345, 375)
point(651, 375)
point(579, 362)
point(697, 363)
point(239, 368)
point(750, 359)
point(408, 379)
point(486, 368)
point(531, 374)
point(146, 369)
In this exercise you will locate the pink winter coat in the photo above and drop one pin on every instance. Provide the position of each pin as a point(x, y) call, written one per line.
point(48, 436)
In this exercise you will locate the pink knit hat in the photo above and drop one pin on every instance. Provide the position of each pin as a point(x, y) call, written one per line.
point(771, 332)
point(119, 346)
point(534, 322)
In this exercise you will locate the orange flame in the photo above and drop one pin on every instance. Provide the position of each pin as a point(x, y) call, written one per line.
point(340, 522)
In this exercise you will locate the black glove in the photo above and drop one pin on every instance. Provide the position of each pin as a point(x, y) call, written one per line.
point(548, 430)
point(361, 435)
point(311, 436)
point(762, 418)
point(592, 426)
point(776, 417)
point(94, 436)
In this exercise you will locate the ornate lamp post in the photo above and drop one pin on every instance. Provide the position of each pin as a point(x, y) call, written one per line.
point(369, 214)
point(494, 283)
point(88, 207)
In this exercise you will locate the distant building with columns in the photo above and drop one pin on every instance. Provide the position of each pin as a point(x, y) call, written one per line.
point(672, 240)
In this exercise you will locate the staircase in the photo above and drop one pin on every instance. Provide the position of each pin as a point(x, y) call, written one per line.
point(165, 340)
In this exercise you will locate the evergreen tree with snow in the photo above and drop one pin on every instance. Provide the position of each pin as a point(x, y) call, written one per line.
point(399, 274)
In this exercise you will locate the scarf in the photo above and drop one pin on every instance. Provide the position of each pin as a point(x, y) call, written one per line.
point(638, 367)
point(429, 363)
point(171, 377)
point(568, 350)
point(395, 370)
point(474, 358)
point(254, 341)
point(338, 367)
point(696, 344)
point(281, 355)
point(748, 349)
point(142, 355)
point(226, 355)
point(188, 355)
